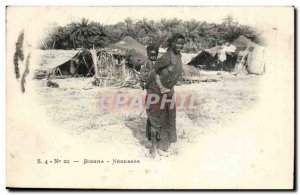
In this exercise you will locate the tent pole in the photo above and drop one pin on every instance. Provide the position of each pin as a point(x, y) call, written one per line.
point(95, 63)
point(59, 71)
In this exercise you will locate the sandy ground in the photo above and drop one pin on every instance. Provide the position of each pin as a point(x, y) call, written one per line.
point(243, 137)
point(75, 109)
point(236, 140)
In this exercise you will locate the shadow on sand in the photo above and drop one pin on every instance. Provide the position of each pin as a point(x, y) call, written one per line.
point(138, 127)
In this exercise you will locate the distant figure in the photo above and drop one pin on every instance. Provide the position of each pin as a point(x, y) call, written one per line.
point(49, 83)
point(52, 84)
point(226, 49)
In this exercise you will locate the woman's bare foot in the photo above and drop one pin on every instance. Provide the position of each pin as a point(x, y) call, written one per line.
point(154, 154)
point(162, 153)
point(153, 151)
point(164, 90)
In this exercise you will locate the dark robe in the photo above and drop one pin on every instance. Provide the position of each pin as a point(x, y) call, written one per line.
point(161, 123)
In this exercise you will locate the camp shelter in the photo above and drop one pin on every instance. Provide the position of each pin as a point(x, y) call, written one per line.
point(79, 65)
point(187, 57)
point(255, 58)
point(204, 60)
point(127, 51)
point(208, 59)
point(134, 52)
point(242, 43)
point(48, 59)
point(63, 63)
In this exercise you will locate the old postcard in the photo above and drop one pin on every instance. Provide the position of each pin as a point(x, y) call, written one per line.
point(150, 97)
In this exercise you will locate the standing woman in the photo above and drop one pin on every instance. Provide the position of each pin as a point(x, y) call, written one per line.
point(161, 123)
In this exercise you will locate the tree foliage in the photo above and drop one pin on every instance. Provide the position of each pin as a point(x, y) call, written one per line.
point(199, 34)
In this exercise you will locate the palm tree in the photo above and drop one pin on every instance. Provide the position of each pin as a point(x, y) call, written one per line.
point(170, 25)
point(229, 21)
point(83, 30)
point(147, 33)
point(208, 34)
point(131, 28)
point(85, 33)
point(191, 34)
point(166, 27)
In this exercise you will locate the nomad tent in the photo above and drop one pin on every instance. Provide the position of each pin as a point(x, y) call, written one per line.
point(134, 52)
point(79, 65)
point(251, 56)
point(215, 58)
point(127, 51)
point(241, 54)
point(67, 63)
point(243, 43)
point(115, 64)
point(256, 60)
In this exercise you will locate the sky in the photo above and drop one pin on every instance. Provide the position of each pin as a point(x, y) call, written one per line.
point(36, 19)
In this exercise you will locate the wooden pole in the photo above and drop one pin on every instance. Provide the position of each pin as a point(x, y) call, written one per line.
point(95, 64)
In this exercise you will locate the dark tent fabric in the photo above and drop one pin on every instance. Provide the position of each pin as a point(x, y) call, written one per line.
point(79, 65)
point(135, 53)
point(82, 63)
point(208, 60)
point(128, 43)
point(204, 60)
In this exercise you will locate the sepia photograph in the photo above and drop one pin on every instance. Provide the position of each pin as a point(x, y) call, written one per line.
point(149, 97)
